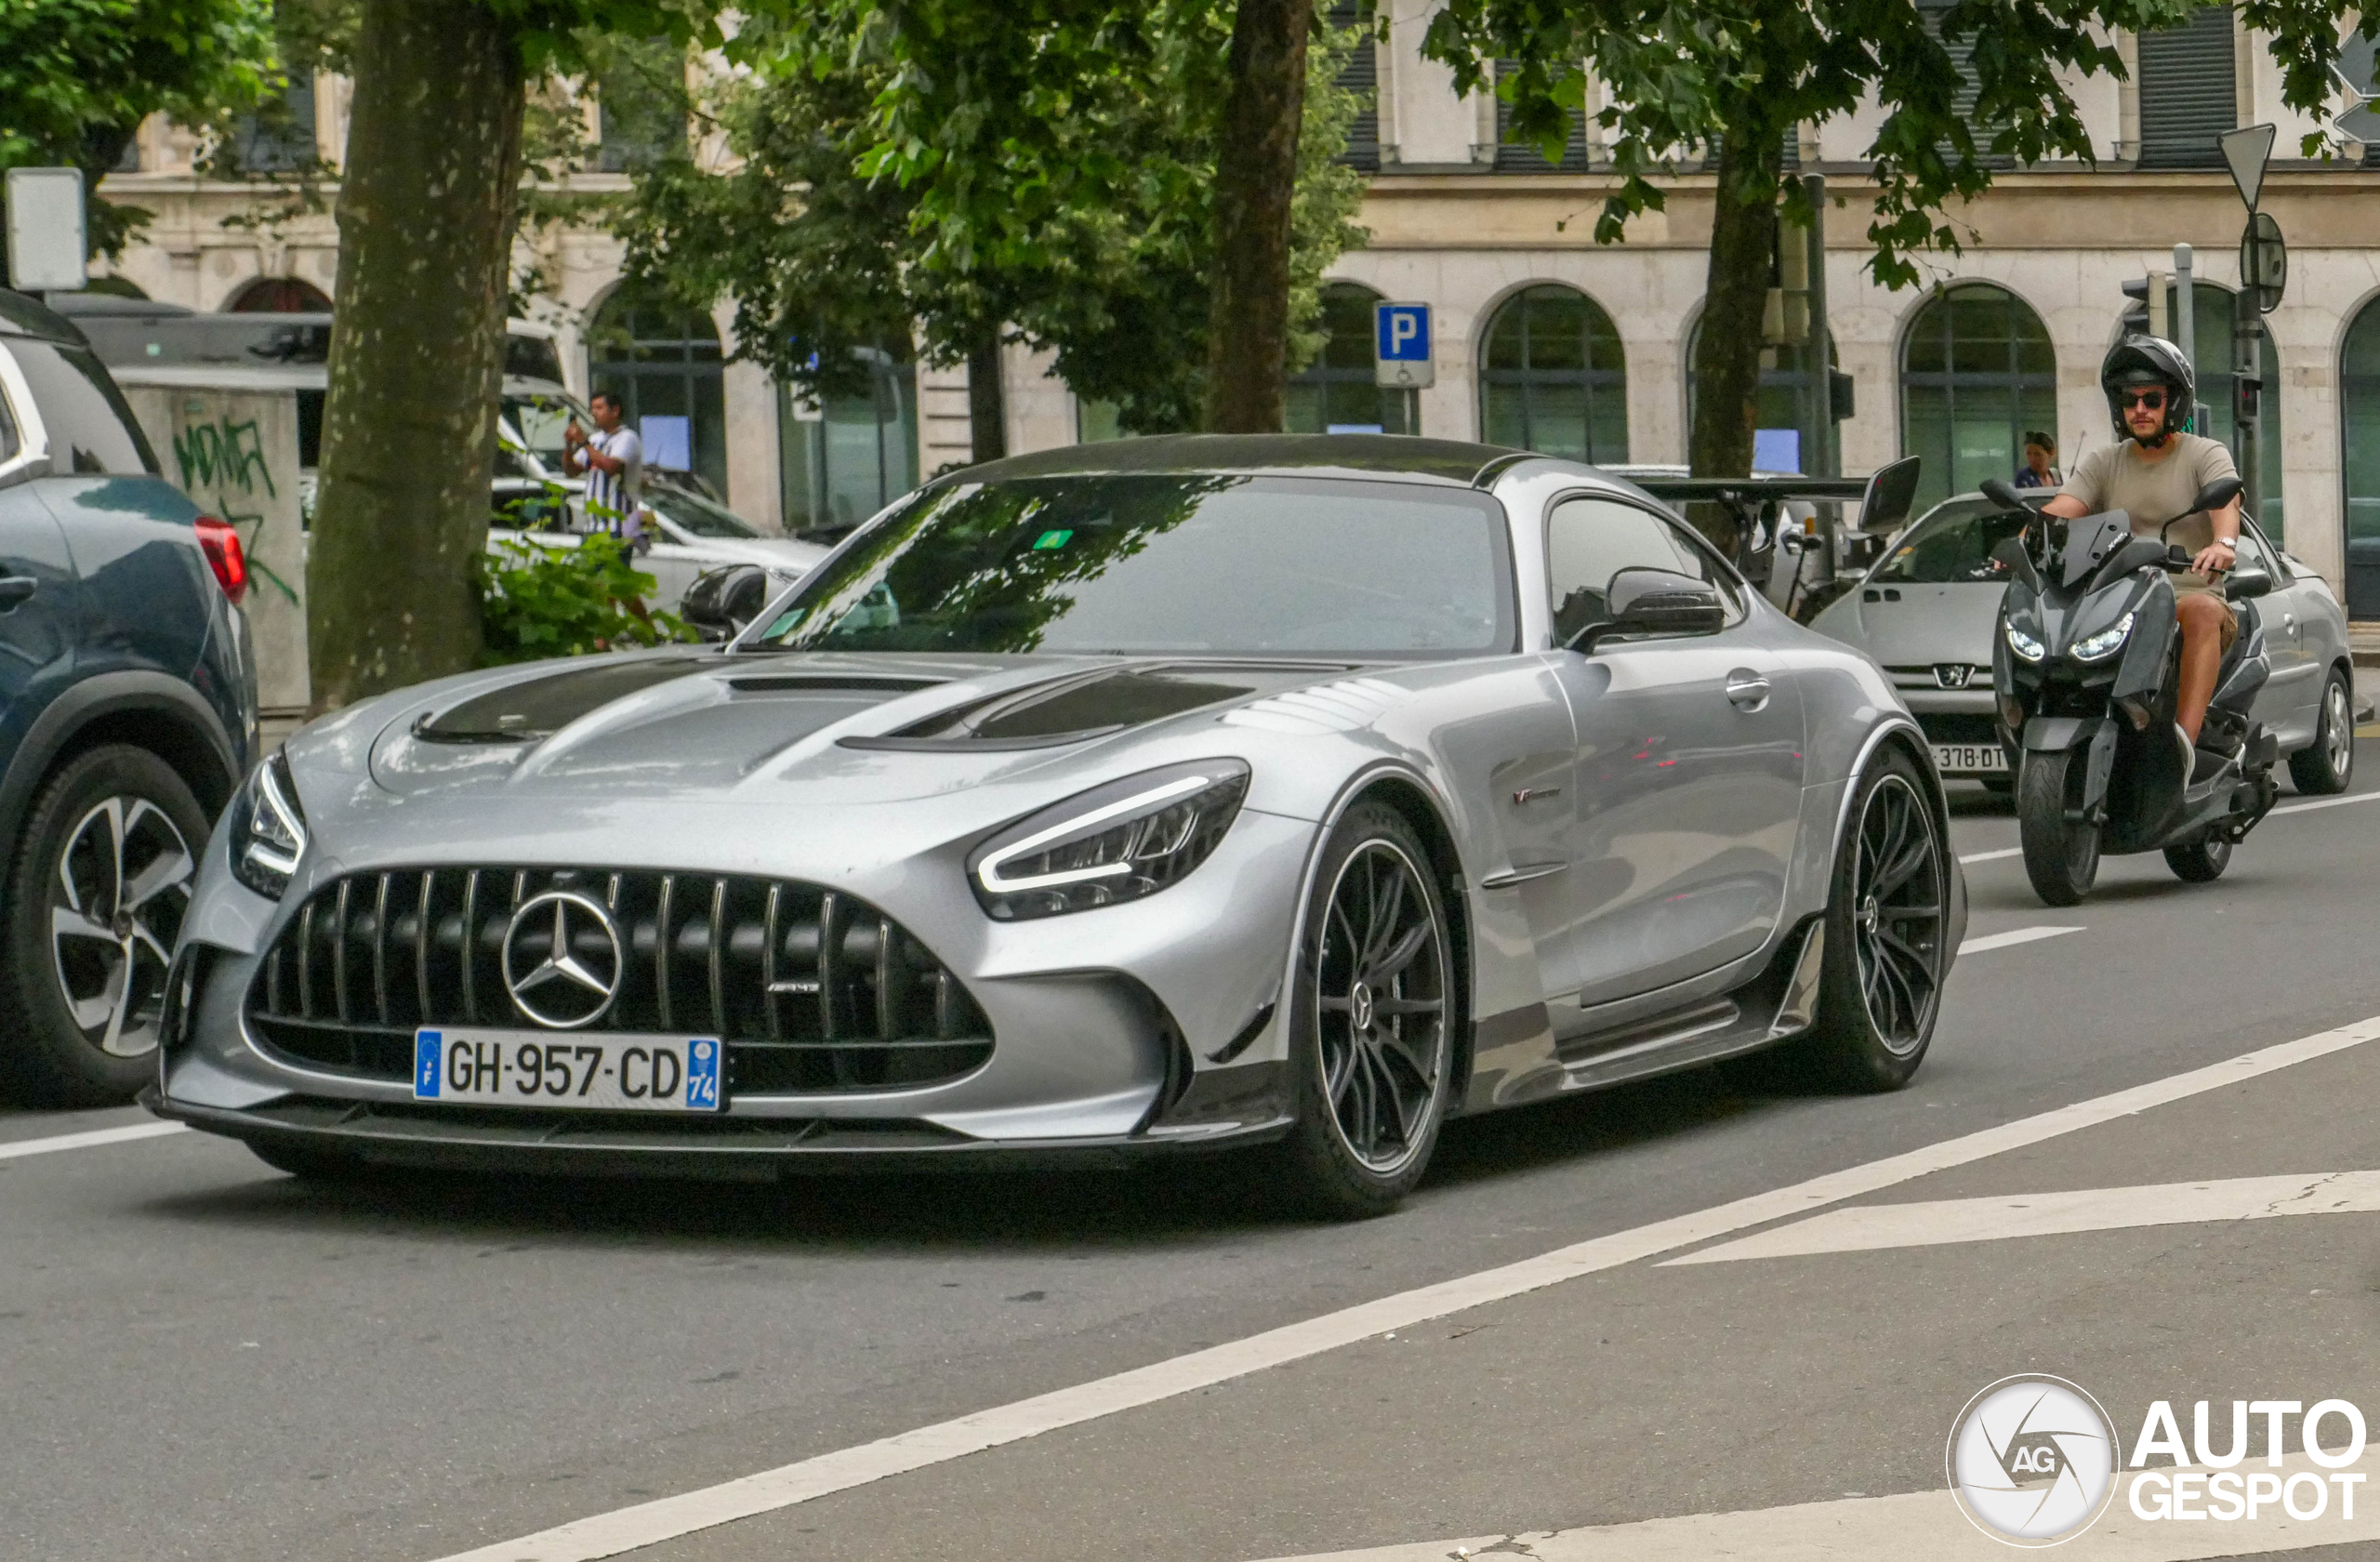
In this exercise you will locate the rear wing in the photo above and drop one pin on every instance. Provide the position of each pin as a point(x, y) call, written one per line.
point(1885, 497)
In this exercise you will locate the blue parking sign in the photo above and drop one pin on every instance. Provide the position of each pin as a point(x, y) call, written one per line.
point(1401, 334)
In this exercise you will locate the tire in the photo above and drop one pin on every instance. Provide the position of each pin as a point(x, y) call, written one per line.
point(98, 888)
point(312, 1164)
point(1374, 1011)
point(1881, 981)
point(2328, 764)
point(2061, 858)
point(2200, 863)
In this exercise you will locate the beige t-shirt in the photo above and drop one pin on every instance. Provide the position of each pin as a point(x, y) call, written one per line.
point(2114, 477)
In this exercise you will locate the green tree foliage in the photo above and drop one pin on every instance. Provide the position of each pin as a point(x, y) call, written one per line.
point(1048, 165)
point(538, 602)
point(1735, 76)
point(78, 76)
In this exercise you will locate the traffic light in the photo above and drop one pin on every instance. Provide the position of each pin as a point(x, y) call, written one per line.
point(2145, 314)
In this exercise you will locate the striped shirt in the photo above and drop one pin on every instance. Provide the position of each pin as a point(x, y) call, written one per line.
point(613, 497)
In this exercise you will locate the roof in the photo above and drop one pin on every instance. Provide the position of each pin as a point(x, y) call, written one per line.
point(24, 316)
point(1453, 462)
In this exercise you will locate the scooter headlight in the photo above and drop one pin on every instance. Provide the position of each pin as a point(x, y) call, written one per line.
point(2105, 643)
point(2025, 645)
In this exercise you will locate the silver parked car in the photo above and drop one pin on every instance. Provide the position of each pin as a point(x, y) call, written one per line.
point(1928, 610)
point(1157, 795)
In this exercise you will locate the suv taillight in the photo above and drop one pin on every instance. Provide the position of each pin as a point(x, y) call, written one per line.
point(222, 546)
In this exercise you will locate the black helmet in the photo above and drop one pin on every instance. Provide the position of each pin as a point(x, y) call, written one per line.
point(2149, 361)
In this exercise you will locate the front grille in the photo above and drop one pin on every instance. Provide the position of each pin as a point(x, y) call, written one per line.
point(813, 990)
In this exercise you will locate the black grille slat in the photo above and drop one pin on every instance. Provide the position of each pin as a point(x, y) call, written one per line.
point(813, 990)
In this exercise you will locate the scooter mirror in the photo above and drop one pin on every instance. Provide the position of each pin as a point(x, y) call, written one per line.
point(2215, 495)
point(2002, 494)
point(2245, 583)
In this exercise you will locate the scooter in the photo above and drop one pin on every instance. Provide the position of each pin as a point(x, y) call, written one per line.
point(2085, 668)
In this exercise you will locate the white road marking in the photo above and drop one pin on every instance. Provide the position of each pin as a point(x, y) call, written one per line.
point(2013, 936)
point(10, 1151)
point(2049, 1214)
point(1926, 1524)
point(2291, 808)
point(1993, 856)
point(665, 1519)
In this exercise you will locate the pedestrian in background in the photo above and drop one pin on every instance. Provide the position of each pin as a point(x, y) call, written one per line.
point(2038, 470)
point(612, 462)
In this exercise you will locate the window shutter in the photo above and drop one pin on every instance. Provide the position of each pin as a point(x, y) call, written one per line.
point(1526, 159)
point(1360, 76)
point(2188, 94)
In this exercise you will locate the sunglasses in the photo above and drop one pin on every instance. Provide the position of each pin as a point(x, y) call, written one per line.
point(2152, 400)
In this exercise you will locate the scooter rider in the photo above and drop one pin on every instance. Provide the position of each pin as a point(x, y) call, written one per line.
point(2155, 468)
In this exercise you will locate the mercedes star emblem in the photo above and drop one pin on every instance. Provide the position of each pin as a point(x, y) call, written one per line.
point(558, 976)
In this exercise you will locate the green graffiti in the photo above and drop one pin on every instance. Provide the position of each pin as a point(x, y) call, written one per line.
point(251, 529)
point(222, 454)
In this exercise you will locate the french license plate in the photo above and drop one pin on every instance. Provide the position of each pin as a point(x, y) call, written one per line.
point(544, 1069)
point(1962, 758)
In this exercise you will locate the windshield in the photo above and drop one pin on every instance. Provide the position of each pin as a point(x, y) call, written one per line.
point(540, 419)
point(693, 514)
point(1952, 544)
point(1168, 563)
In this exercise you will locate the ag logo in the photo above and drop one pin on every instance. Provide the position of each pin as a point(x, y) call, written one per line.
point(2033, 1460)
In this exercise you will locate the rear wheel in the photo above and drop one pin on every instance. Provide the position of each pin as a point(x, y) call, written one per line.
point(2200, 863)
point(1373, 1019)
point(2061, 854)
point(1880, 987)
point(94, 902)
point(2328, 764)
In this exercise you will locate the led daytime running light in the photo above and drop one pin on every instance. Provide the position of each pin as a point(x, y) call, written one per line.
point(2105, 643)
point(2025, 645)
point(271, 834)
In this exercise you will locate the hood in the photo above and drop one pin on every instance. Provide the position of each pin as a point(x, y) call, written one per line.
point(1928, 623)
point(849, 729)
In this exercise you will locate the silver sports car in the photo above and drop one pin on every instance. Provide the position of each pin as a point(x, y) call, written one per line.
point(1929, 610)
point(1167, 794)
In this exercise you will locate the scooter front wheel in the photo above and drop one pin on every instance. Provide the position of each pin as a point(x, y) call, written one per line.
point(2202, 863)
point(2061, 854)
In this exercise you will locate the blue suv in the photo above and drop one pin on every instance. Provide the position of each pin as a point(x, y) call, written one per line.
point(127, 717)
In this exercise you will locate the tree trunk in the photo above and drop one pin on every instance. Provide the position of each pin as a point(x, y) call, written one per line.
point(1726, 355)
point(986, 403)
point(1256, 176)
point(425, 212)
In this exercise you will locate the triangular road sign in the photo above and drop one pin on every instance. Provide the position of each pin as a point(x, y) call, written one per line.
point(2247, 150)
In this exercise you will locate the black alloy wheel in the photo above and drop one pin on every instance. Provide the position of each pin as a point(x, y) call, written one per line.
point(2061, 854)
point(2328, 764)
point(95, 900)
point(1881, 985)
point(1374, 1016)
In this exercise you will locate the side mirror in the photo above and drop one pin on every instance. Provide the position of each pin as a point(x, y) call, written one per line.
point(1892, 492)
point(2215, 495)
point(2002, 493)
point(2246, 583)
point(1655, 602)
point(722, 601)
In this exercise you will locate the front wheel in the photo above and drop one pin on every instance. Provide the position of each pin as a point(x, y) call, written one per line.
point(1880, 978)
point(1373, 1018)
point(2200, 864)
point(2328, 764)
point(2061, 854)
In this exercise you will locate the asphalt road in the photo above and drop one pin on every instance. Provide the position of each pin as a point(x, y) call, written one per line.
point(199, 1358)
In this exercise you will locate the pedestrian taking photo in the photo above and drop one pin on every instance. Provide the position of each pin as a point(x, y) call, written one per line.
point(612, 459)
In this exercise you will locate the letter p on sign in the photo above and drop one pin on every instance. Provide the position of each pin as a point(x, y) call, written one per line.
point(1402, 337)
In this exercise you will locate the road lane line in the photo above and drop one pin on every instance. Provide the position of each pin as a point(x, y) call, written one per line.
point(1993, 856)
point(666, 1519)
point(2013, 936)
point(81, 1141)
point(1871, 1227)
point(2292, 808)
point(1925, 1524)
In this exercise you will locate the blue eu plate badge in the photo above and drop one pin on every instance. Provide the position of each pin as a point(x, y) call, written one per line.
point(428, 1052)
point(702, 1074)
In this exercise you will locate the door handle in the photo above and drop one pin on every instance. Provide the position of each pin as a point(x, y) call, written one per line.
point(1747, 690)
point(14, 589)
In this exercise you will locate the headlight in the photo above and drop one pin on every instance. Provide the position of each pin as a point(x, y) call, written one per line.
point(1129, 838)
point(2105, 643)
point(2026, 645)
point(267, 829)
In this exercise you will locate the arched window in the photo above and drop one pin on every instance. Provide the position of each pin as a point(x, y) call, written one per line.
point(1340, 389)
point(842, 460)
point(279, 296)
point(1977, 372)
point(1552, 379)
point(2360, 425)
point(665, 364)
point(1785, 390)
